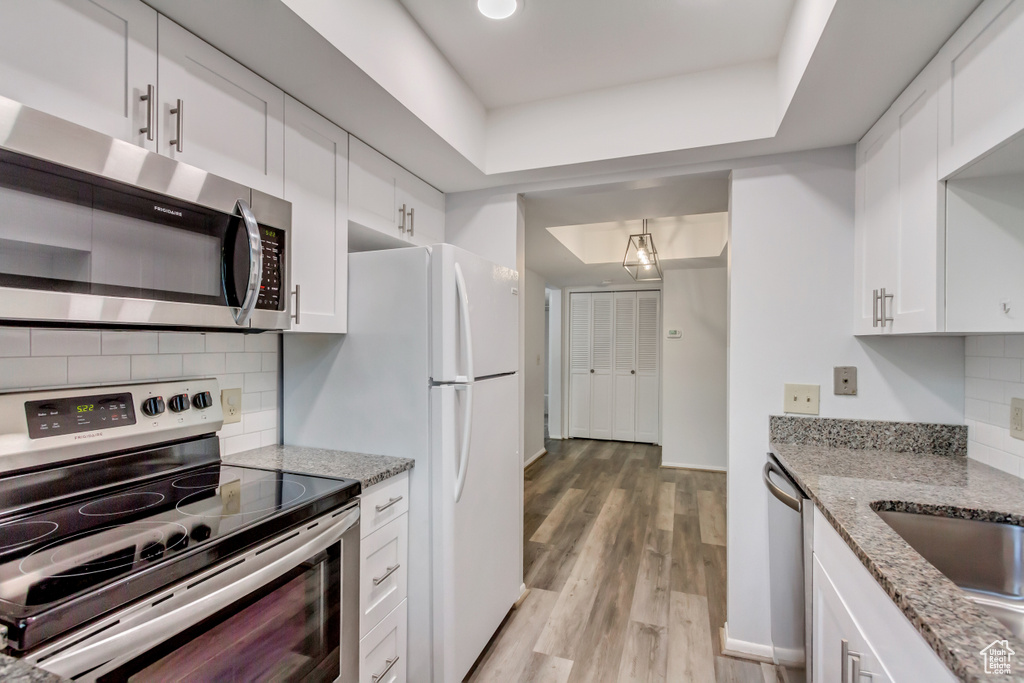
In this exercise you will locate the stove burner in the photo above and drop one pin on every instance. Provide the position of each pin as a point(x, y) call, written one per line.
point(203, 480)
point(115, 552)
point(289, 492)
point(121, 504)
point(19, 533)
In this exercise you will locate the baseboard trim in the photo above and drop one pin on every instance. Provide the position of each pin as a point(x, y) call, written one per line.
point(702, 468)
point(745, 650)
point(535, 456)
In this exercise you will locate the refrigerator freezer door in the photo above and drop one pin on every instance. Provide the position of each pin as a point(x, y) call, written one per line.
point(492, 295)
point(477, 571)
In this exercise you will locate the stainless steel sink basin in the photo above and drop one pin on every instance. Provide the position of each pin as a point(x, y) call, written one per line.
point(985, 559)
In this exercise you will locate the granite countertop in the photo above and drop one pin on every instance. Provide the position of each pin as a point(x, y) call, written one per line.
point(849, 484)
point(16, 671)
point(368, 469)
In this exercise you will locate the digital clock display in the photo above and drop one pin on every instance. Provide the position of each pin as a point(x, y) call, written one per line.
point(78, 414)
point(87, 408)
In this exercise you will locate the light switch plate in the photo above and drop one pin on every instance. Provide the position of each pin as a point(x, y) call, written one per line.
point(1017, 418)
point(231, 404)
point(844, 380)
point(802, 398)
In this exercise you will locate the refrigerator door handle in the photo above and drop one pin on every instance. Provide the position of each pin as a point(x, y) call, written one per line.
point(467, 332)
point(467, 432)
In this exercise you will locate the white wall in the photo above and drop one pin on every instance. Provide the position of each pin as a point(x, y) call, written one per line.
point(485, 224)
point(36, 358)
point(535, 370)
point(791, 320)
point(993, 376)
point(555, 363)
point(693, 375)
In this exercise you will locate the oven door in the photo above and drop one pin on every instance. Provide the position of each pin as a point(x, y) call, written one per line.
point(284, 611)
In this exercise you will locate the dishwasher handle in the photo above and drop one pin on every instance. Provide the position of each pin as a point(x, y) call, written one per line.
point(793, 502)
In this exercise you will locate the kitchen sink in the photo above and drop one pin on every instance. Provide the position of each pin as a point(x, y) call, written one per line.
point(985, 559)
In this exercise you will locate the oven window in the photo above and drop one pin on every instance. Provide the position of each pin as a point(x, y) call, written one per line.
point(289, 631)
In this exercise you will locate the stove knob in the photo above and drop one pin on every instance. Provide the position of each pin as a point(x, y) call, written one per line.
point(153, 406)
point(178, 403)
point(152, 551)
point(202, 400)
point(200, 532)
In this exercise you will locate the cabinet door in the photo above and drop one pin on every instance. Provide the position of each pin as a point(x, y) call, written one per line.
point(648, 367)
point(602, 388)
point(233, 120)
point(371, 189)
point(87, 61)
point(316, 183)
point(982, 93)
point(579, 365)
point(424, 207)
point(624, 367)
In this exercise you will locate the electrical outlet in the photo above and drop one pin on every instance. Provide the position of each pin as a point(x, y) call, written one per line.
point(802, 398)
point(844, 380)
point(1017, 418)
point(231, 404)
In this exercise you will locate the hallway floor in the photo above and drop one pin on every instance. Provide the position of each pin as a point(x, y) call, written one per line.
point(625, 562)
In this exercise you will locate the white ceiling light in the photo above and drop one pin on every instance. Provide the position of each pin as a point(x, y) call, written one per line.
point(641, 259)
point(497, 9)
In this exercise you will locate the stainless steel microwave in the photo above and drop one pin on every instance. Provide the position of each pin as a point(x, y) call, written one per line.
point(98, 231)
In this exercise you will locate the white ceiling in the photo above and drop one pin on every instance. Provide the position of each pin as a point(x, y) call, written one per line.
point(552, 48)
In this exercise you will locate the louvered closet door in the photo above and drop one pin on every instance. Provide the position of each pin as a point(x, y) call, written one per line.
point(624, 374)
point(579, 365)
point(648, 366)
point(602, 387)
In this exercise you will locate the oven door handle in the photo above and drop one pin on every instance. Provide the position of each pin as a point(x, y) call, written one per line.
point(252, 290)
point(137, 639)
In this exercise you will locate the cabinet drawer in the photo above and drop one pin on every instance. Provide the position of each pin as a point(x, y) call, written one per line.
point(383, 503)
point(383, 572)
point(383, 649)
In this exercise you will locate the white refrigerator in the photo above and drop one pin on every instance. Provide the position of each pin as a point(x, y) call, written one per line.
point(428, 371)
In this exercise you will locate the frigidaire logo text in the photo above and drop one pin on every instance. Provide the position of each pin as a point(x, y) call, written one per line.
point(162, 209)
point(93, 435)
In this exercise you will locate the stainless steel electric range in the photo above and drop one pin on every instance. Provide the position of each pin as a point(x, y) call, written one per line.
point(129, 552)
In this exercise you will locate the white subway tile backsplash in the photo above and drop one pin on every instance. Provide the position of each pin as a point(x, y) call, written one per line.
point(992, 346)
point(265, 342)
point(993, 370)
point(252, 403)
point(269, 437)
point(25, 373)
point(984, 389)
point(156, 367)
point(976, 410)
point(269, 400)
point(1014, 346)
point(260, 381)
point(230, 381)
point(99, 369)
point(976, 366)
point(1012, 390)
point(270, 362)
point(202, 364)
point(244, 362)
point(258, 422)
point(14, 342)
point(233, 429)
point(224, 342)
point(65, 342)
point(1005, 369)
point(182, 342)
point(120, 343)
point(237, 444)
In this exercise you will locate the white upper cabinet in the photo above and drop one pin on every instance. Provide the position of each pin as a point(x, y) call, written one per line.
point(87, 61)
point(899, 236)
point(390, 201)
point(231, 121)
point(982, 92)
point(316, 183)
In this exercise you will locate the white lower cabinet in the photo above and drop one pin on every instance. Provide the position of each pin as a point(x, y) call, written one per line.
point(857, 627)
point(383, 581)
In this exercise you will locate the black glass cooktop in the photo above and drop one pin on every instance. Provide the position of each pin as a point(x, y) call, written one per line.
point(71, 563)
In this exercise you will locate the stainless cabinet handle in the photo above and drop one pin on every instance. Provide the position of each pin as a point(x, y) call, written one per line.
point(179, 124)
point(385, 506)
point(412, 220)
point(885, 318)
point(378, 580)
point(874, 308)
point(149, 98)
point(401, 226)
point(297, 312)
point(390, 664)
point(851, 661)
point(795, 503)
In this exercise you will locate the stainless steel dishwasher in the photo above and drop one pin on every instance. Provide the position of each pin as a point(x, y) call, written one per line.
point(790, 539)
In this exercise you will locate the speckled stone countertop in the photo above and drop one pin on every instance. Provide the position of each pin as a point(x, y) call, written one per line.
point(15, 671)
point(368, 469)
point(848, 484)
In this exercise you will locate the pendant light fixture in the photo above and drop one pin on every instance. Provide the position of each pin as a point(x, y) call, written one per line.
point(641, 259)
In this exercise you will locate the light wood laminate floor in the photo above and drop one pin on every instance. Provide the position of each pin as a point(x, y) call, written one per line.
point(625, 562)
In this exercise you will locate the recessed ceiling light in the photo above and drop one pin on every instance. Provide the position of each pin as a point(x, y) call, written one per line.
point(497, 9)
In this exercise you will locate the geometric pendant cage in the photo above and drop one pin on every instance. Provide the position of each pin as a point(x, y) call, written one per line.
point(641, 259)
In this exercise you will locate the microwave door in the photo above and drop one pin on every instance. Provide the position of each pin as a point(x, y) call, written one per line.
point(243, 263)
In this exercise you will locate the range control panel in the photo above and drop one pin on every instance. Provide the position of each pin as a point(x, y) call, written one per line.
point(273, 275)
point(78, 414)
